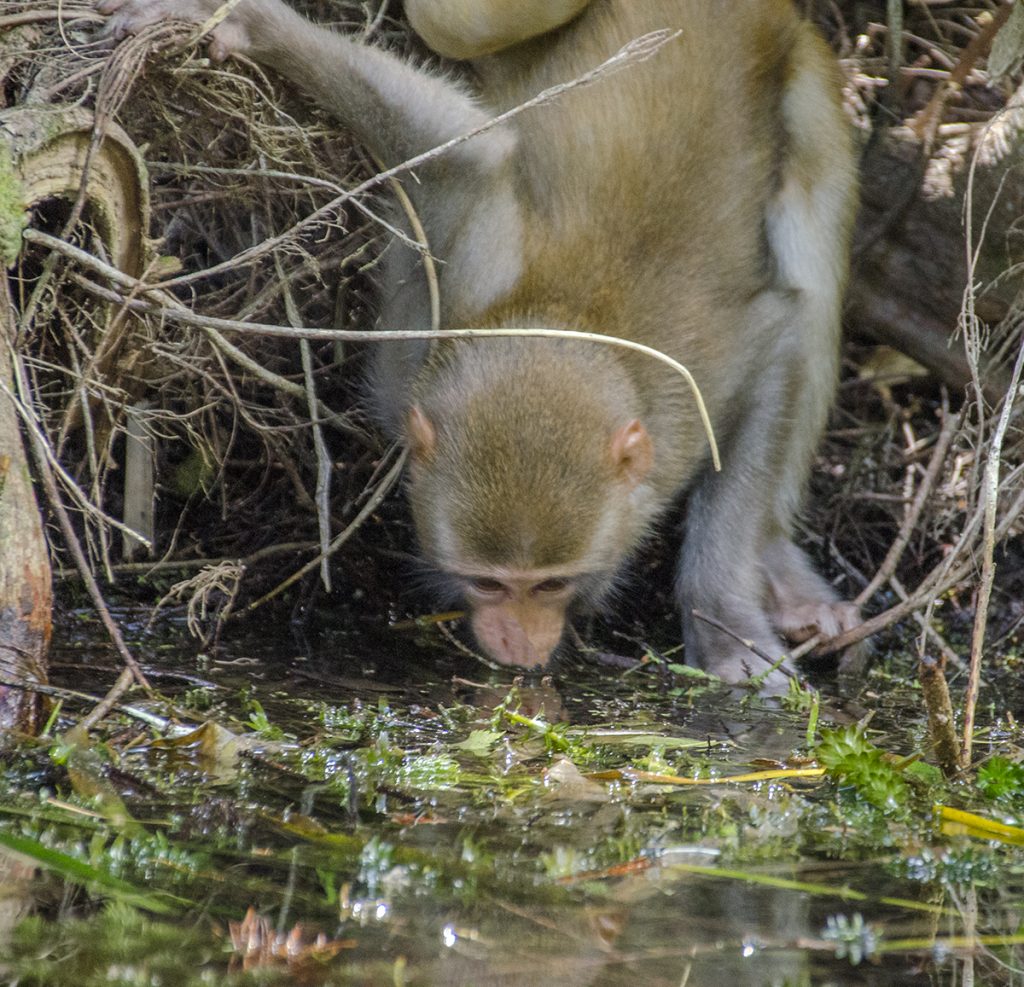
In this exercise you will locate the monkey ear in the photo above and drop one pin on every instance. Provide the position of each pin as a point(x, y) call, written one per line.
point(632, 452)
point(421, 435)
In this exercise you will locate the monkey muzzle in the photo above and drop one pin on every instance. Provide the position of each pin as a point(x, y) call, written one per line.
point(521, 634)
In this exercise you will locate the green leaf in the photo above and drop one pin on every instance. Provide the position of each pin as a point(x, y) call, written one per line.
point(77, 870)
point(1001, 779)
point(479, 742)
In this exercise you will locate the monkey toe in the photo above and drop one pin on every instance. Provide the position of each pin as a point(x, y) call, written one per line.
point(128, 17)
point(228, 39)
point(825, 619)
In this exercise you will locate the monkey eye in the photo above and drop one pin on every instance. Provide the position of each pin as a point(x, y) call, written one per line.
point(551, 586)
point(484, 584)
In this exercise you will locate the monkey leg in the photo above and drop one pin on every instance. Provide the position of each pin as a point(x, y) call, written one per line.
point(807, 223)
point(739, 565)
point(730, 517)
point(471, 28)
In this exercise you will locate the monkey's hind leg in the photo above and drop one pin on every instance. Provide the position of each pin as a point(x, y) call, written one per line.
point(730, 519)
point(739, 564)
point(808, 226)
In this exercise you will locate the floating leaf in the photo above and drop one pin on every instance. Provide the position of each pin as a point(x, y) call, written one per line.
point(479, 742)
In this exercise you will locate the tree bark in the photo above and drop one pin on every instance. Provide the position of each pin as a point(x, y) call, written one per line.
point(911, 255)
point(50, 153)
point(26, 598)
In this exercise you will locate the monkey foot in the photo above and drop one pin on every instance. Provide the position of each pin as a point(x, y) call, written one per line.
point(826, 619)
point(740, 666)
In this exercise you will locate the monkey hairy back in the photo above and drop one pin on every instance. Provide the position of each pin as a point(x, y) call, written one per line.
point(656, 227)
point(702, 206)
point(690, 136)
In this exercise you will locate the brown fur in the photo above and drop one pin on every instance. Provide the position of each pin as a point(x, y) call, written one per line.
point(699, 202)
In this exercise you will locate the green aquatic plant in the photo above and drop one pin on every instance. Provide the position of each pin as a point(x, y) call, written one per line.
point(851, 759)
point(854, 939)
point(1002, 780)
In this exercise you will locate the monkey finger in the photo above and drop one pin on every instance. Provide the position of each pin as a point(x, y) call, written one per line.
point(219, 52)
point(129, 17)
point(132, 16)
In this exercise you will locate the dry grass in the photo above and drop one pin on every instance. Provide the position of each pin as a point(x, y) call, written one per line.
point(234, 162)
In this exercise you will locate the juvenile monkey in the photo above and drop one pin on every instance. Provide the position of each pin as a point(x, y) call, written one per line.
point(698, 202)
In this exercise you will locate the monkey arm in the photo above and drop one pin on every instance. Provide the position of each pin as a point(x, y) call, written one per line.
point(397, 110)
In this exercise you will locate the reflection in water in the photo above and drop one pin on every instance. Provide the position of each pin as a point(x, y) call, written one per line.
point(15, 893)
point(701, 933)
point(658, 930)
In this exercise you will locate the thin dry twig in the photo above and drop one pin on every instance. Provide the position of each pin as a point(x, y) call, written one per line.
point(928, 632)
point(110, 701)
point(773, 663)
point(181, 314)
point(43, 465)
point(381, 491)
point(632, 53)
point(990, 501)
point(913, 515)
point(926, 122)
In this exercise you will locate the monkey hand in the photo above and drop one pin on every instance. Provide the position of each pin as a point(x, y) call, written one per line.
point(239, 33)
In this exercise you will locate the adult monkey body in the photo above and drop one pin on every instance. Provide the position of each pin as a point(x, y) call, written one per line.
point(698, 202)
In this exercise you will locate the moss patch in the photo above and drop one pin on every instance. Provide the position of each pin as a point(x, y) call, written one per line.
point(13, 216)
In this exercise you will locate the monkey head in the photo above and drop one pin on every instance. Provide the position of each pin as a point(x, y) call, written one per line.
point(527, 484)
